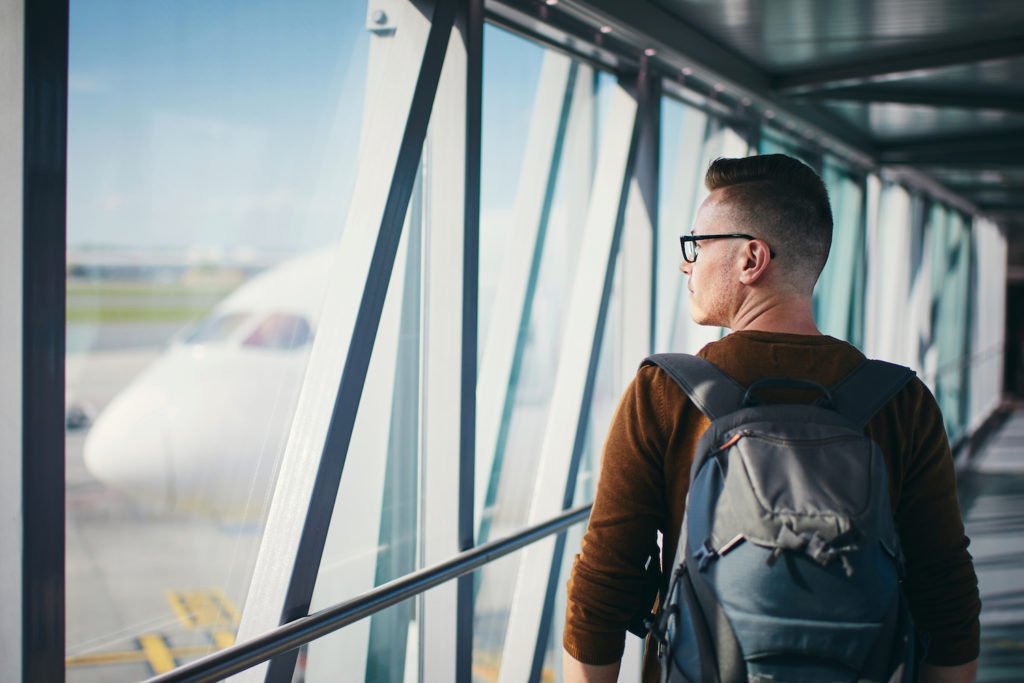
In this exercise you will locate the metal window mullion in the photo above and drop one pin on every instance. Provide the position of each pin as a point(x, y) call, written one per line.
point(506, 335)
point(40, 112)
point(442, 368)
point(470, 20)
point(639, 248)
point(573, 388)
point(396, 118)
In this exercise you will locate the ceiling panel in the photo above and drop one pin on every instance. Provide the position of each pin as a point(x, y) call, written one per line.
point(888, 122)
point(788, 35)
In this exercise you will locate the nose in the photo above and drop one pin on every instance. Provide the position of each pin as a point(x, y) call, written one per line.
point(685, 266)
point(125, 448)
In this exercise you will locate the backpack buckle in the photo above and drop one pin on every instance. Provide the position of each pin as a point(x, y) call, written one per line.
point(705, 554)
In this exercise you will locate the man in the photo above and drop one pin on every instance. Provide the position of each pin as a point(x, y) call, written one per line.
point(758, 245)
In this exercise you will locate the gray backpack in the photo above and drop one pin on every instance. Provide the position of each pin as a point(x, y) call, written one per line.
point(789, 563)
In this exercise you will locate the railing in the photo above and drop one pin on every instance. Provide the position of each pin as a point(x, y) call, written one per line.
point(296, 633)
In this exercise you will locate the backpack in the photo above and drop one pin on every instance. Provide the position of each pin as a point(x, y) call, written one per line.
point(789, 563)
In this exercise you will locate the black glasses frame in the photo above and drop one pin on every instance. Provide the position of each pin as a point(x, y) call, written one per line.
point(688, 243)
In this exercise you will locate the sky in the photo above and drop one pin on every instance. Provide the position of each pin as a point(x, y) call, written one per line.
point(235, 124)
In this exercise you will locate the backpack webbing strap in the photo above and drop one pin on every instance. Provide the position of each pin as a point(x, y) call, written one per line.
point(864, 391)
point(711, 390)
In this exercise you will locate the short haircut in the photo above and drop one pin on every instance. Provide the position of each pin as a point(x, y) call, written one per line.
point(782, 201)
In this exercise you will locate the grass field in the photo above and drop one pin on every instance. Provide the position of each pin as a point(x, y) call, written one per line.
point(141, 302)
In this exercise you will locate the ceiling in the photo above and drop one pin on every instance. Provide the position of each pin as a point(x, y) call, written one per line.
point(936, 85)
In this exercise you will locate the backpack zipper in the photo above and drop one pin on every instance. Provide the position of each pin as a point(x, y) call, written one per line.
point(778, 440)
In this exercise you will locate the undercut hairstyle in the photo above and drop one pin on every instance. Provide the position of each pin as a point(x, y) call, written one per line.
point(782, 201)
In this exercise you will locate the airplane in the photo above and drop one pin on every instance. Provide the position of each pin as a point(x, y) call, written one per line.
point(218, 402)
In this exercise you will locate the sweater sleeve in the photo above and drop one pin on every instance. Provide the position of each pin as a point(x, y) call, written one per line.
point(607, 586)
point(941, 585)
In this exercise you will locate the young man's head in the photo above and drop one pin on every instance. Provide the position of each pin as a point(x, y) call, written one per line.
point(774, 215)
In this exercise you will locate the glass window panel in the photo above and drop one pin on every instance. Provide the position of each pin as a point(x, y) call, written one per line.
point(776, 142)
point(889, 280)
point(494, 602)
point(212, 151)
point(578, 100)
point(374, 533)
point(950, 323)
point(839, 294)
point(681, 192)
point(393, 652)
point(511, 74)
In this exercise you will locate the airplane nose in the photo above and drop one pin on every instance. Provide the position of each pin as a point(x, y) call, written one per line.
point(126, 448)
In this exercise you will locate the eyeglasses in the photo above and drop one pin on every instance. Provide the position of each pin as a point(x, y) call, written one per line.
point(691, 250)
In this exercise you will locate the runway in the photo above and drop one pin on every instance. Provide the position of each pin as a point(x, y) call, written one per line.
point(146, 590)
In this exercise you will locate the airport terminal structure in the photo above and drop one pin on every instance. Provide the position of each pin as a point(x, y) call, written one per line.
point(315, 313)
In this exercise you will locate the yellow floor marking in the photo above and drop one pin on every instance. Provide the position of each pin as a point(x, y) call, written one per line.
point(177, 603)
point(106, 658)
point(134, 656)
point(158, 654)
point(227, 607)
point(210, 608)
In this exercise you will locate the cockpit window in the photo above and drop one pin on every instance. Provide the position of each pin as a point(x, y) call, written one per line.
point(280, 331)
point(215, 328)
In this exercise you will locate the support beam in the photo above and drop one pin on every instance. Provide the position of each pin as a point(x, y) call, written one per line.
point(449, 351)
point(997, 148)
point(884, 67)
point(470, 19)
point(396, 121)
point(931, 97)
point(44, 176)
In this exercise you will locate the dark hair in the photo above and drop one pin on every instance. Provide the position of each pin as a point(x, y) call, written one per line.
point(781, 200)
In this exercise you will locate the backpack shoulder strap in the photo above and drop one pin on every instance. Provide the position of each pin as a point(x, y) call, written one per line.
point(870, 386)
point(711, 390)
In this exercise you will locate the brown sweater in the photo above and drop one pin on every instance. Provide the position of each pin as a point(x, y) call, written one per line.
point(645, 475)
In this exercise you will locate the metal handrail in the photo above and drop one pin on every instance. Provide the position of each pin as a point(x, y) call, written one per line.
point(246, 655)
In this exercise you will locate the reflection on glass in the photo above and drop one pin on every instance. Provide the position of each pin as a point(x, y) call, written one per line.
point(211, 156)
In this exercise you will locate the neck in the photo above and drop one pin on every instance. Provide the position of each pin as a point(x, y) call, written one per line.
point(787, 314)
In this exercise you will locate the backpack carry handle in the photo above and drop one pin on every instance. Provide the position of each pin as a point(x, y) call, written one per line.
point(749, 399)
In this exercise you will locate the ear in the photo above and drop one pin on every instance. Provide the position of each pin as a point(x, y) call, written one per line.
point(755, 258)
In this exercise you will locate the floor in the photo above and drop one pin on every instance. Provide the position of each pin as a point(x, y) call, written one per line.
point(992, 499)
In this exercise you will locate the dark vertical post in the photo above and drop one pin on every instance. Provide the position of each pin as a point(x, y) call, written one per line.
point(469, 20)
point(648, 174)
point(45, 179)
